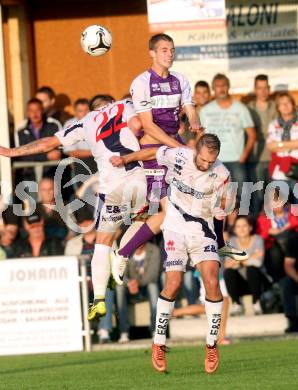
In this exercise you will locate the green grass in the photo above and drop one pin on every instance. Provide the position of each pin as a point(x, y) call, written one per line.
point(271, 364)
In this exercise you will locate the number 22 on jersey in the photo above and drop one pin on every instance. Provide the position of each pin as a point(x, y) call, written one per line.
point(111, 122)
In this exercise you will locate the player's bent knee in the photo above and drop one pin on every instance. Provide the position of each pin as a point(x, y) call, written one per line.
point(211, 286)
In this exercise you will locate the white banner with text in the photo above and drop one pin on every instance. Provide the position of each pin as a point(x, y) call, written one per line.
point(40, 306)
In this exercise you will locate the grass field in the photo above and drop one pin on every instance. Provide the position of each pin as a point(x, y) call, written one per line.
point(271, 364)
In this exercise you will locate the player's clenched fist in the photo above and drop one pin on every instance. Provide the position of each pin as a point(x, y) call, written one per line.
point(117, 161)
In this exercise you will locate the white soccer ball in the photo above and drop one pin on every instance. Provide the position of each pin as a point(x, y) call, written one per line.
point(96, 40)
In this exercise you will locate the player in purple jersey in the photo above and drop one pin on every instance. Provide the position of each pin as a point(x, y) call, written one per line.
point(158, 95)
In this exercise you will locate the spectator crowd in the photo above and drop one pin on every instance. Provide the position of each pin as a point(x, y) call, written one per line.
point(259, 144)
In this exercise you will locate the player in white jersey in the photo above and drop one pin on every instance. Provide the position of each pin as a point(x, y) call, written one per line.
point(196, 182)
point(108, 132)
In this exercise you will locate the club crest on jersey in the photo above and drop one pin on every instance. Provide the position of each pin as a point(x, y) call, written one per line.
point(175, 86)
point(213, 175)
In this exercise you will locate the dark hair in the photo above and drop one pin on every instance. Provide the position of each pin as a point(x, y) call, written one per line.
point(81, 101)
point(220, 76)
point(100, 100)
point(247, 219)
point(48, 90)
point(34, 101)
point(84, 214)
point(202, 84)
point(158, 37)
point(211, 141)
point(261, 77)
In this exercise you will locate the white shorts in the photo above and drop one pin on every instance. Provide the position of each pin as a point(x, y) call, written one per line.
point(182, 247)
point(126, 201)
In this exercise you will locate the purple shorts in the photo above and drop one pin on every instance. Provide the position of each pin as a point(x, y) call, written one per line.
point(155, 176)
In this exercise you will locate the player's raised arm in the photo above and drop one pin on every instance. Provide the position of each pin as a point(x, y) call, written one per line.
point(42, 145)
point(140, 155)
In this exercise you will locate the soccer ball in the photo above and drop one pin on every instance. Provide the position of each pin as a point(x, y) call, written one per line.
point(96, 40)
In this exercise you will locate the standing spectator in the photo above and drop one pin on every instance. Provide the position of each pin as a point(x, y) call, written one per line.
point(53, 223)
point(282, 141)
point(48, 98)
point(230, 120)
point(36, 244)
point(263, 111)
point(83, 244)
point(202, 96)
point(141, 280)
point(277, 233)
point(81, 149)
point(290, 288)
point(37, 126)
point(245, 276)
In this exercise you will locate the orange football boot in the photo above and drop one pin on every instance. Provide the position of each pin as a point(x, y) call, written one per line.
point(159, 362)
point(211, 359)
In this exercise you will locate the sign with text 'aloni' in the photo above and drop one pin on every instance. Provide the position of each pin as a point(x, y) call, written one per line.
point(40, 307)
point(259, 37)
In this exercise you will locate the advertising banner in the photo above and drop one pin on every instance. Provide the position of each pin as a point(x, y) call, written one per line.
point(179, 14)
point(40, 306)
point(259, 37)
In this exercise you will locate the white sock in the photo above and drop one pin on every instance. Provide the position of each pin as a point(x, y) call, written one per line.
point(164, 310)
point(213, 313)
point(101, 269)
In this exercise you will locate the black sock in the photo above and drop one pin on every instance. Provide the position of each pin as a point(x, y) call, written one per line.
point(218, 228)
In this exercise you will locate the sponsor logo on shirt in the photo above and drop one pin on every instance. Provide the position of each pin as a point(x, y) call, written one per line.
point(170, 246)
point(187, 190)
point(155, 87)
point(174, 263)
point(165, 87)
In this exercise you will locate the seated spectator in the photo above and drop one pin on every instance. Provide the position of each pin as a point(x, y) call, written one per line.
point(282, 141)
point(263, 111)
point(83, 244)
point(290, 287)
point(36, 244)
point(245, 277)
point(37, 126)
point(54, 224)
point(48, 98)
point(81, 149)
point(277, 232)
point(9, 232)
point(140, 281)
